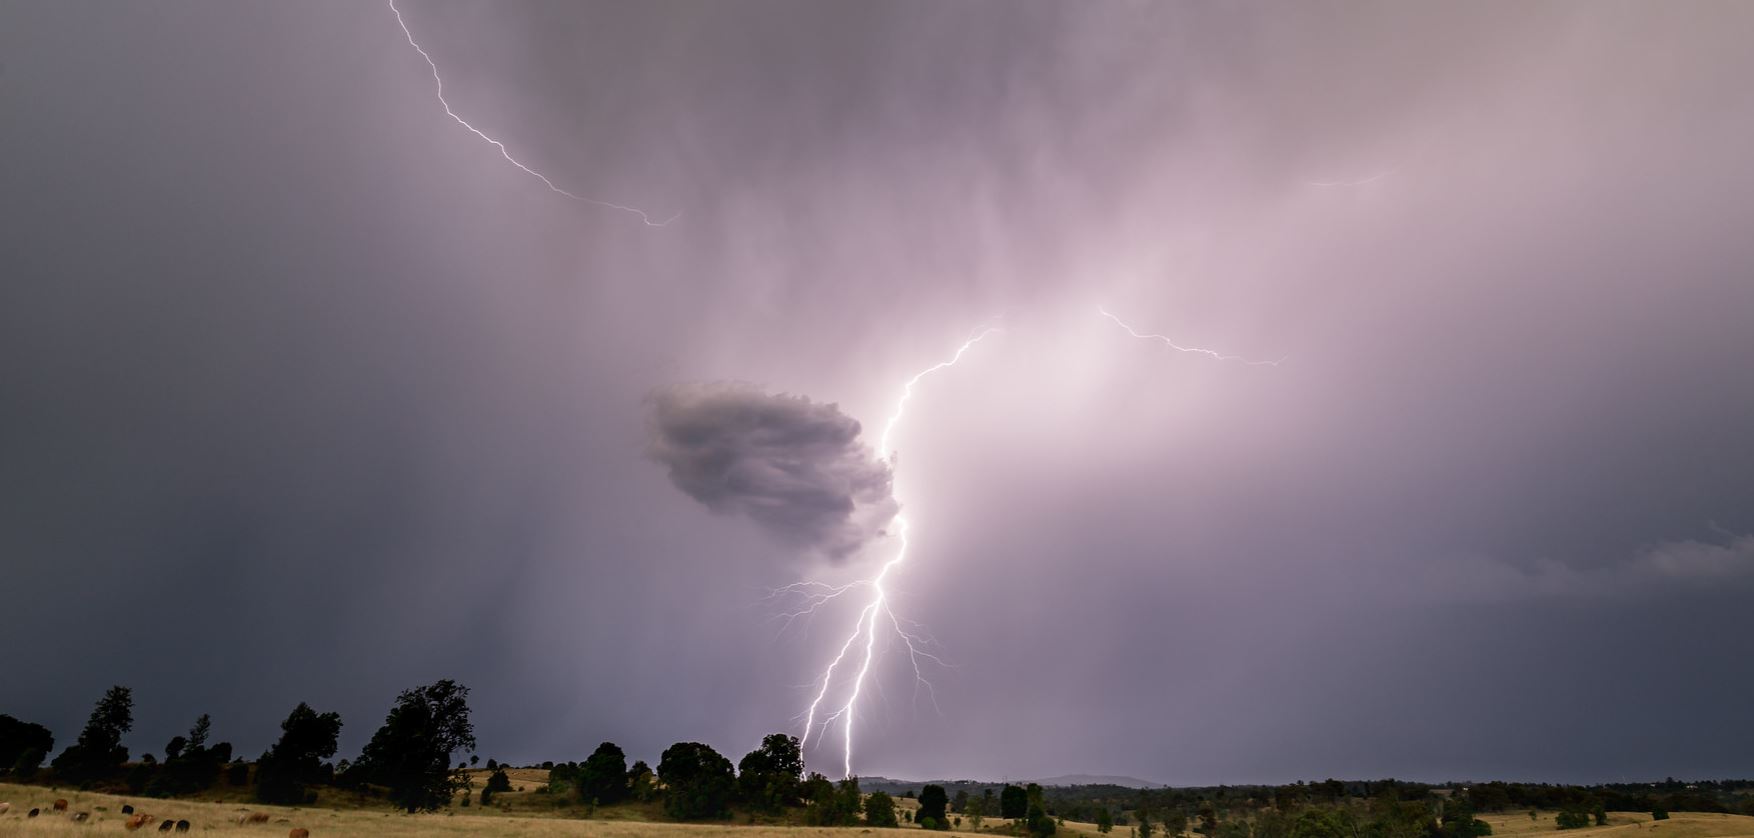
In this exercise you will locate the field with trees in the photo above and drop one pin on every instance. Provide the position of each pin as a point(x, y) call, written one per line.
point(420, 774)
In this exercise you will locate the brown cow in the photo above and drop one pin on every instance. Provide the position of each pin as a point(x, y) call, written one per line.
point(252, 817)
point(135, 821)
point(61, 805)
point(5, 807)
point(299, 832)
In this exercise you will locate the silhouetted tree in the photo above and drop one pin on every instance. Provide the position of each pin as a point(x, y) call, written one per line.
point(880, 810)
point(602, 778)
point(933, 805)
point(98, 751)
point(411, 753)
point(496, 783)
point(699, 783)
point(19, 739)
point(1013, 802)
point(307, 738)
point(768, 775)
point(1105, 822)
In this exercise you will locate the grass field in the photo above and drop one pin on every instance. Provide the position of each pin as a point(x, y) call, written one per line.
point(527, 814)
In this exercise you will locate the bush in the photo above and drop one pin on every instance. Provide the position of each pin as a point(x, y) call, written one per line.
point(933, 802)
point(1659, 814)
point(1572, 819)
point(699, 783)
point(880, 810)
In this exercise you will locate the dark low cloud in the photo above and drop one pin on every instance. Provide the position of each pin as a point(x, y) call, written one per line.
point(795, 467)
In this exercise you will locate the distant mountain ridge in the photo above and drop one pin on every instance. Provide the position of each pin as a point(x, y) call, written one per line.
point(1099, 780)
point(891, 784)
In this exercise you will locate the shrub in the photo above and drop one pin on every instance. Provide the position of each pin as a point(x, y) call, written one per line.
point(1572, 819)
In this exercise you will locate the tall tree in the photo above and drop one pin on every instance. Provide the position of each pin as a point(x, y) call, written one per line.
point(880, 810)
point(1013, 802)
point(296, 761)
point(98, 751)
point(411, 753)
point(1040, 824)
point(602, 779)
point(199, 733)
point(699, 783)
point(768, 776)
point(934, 804)
point(19, 739)
point(978, 807)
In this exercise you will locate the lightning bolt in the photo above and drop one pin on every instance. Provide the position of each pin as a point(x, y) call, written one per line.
point(439, 87)
point(877, 608)
point(1193, 349)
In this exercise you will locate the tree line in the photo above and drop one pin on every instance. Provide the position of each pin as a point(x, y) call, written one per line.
point(408, 762)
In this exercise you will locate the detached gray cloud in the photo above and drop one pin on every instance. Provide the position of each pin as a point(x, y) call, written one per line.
point(793, 466)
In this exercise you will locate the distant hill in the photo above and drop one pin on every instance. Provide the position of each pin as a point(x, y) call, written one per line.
point(1099, 780)
point(894, 786)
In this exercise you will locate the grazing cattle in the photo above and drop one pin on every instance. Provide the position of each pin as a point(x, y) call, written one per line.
point(299, 832)
point(166, 826)
point(5, 807)
point(80, 817)
point(136, 821)
point(34, 811)
point(182, 826)
point(61, 805)
point(127, 809)
point(252, 817)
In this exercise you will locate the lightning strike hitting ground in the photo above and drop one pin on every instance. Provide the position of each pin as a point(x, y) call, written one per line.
point(1194, 349)
point(877, 608)
point(439, 85)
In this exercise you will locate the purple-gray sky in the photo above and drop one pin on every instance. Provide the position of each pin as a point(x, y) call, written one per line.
point(306, 394)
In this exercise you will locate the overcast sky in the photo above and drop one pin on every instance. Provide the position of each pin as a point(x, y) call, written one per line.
point(308, 394)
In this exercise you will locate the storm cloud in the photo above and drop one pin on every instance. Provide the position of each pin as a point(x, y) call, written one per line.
point(299, 375)
point(796, 468)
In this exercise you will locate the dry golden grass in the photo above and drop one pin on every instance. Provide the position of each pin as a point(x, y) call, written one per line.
point(1628, 825)
point(375, 819)
point(206, 818)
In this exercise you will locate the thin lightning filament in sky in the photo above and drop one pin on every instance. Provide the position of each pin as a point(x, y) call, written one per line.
point(439, 87)
point(1193, 349)
point(877, 608)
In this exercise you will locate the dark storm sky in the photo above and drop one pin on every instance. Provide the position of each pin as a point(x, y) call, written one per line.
point(306, 394)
